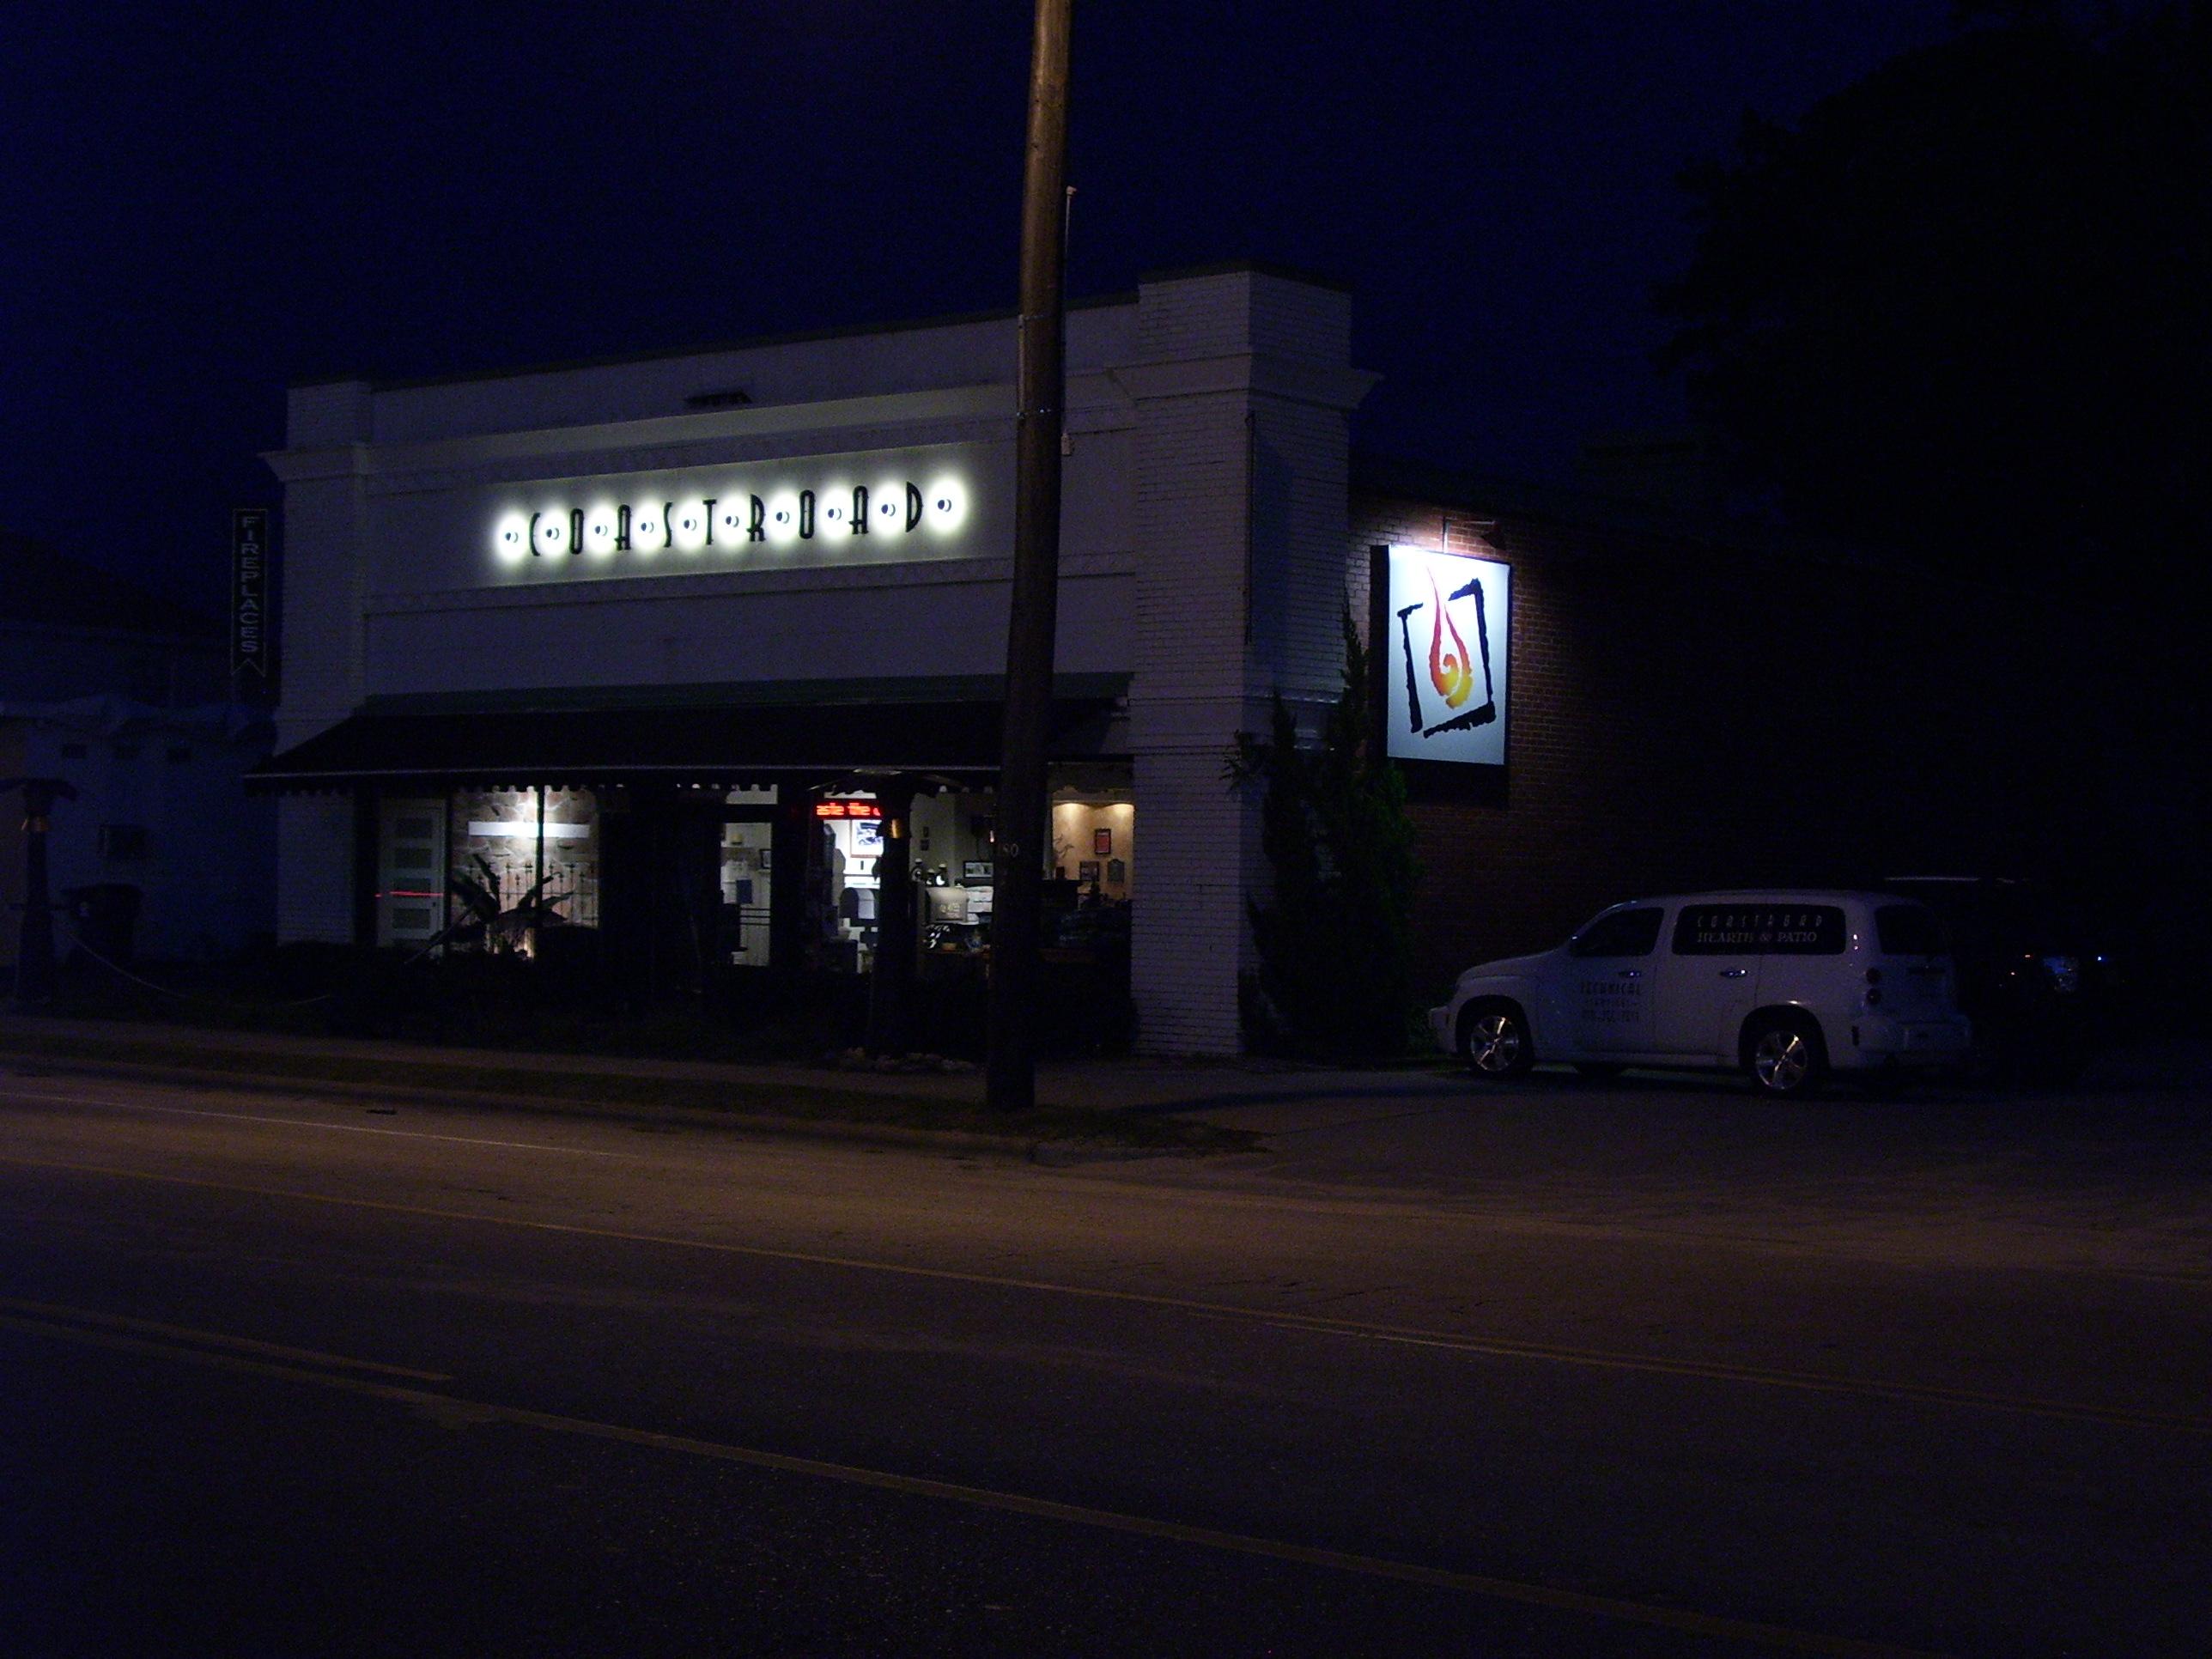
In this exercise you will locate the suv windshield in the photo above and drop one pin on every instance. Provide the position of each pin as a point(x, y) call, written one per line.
point(1908, 929)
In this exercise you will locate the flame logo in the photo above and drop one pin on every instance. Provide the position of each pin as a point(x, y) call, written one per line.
point(1450, 671)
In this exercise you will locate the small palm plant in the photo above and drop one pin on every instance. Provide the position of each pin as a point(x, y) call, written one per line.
point(485, 922)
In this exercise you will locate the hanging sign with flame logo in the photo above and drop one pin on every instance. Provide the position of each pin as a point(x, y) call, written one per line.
point(1444, 684)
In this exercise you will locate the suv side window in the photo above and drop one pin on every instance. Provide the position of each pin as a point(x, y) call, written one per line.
point(1743, 930)
point(1805, 930)
point(1623, 933)
point(1718, 929)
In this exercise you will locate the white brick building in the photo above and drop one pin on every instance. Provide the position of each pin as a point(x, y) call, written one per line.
point(613, 631)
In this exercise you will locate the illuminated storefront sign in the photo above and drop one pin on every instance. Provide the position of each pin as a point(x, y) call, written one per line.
point(1445, 681)
point(847, 809)
point(731, 514)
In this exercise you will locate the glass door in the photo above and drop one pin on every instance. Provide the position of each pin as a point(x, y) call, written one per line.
point(748, 875)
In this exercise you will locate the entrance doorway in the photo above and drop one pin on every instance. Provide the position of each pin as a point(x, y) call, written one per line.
point(410, 871)
point(747, 931)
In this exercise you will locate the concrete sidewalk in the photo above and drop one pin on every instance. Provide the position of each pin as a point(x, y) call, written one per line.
point(1255, 1095)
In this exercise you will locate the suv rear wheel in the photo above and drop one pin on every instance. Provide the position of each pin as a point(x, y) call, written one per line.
point(1785, 1055)
point(1493, 1040)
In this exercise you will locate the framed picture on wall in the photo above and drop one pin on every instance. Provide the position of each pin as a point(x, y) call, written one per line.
point(1101, 842)
point(1086, 873)
point(1117, 873)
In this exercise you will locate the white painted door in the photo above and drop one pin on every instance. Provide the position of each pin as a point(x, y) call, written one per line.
point(1710, 978)
point(1610, 982)
point(410, 871)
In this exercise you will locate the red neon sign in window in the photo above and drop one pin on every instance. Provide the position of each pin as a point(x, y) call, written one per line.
point(847, 809)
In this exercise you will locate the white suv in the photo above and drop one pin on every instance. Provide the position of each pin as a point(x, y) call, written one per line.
point(1785, 985)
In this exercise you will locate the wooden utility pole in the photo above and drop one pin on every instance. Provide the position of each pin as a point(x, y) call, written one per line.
point(1040, 385)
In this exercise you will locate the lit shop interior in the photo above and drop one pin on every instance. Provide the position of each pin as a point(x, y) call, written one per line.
point(677, 886)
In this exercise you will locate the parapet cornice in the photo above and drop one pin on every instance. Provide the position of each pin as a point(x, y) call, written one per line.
point(1257, 374)
point(877, 416)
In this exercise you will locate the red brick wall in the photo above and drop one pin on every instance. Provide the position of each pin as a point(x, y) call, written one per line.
point(1682, 717)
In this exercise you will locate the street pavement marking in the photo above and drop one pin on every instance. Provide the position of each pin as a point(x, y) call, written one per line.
point(457, 1412)
point(310, 1123)
point(1491, 1347)
point(41, 1312)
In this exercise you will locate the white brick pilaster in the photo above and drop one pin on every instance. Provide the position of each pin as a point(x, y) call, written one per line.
point(324, 550)
point(1241, 454)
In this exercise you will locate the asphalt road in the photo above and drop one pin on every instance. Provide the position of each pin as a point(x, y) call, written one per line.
point(1640, 1370)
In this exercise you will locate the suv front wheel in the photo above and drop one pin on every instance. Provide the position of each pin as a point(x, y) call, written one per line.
point(1785, 1055)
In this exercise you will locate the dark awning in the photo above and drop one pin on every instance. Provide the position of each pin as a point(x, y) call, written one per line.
point(735, 744)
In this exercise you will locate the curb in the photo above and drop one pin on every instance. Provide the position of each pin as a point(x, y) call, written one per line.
point(1050, 1154)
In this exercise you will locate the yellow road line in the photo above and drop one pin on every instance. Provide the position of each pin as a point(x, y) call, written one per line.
point(449, 1408)
point(49, 1310)
point(1493, 1347)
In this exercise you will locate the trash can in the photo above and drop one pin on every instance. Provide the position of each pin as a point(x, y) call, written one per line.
point(103, 917)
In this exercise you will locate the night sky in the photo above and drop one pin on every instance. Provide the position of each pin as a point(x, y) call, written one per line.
point(202, 206)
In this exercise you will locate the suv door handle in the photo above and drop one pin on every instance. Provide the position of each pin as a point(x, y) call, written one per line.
point(1734, 973)
point(1630, 973)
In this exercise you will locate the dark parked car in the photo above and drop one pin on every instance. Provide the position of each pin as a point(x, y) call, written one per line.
point(2034, 975)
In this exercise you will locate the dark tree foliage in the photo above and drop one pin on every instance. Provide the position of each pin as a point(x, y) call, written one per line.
point(1961, 310)
point(1334, 936)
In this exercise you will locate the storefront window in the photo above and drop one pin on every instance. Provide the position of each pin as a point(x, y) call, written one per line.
point(1094, 843)
point(954, 843)
point(525, 861)
point(849, 827)
point(748, 881)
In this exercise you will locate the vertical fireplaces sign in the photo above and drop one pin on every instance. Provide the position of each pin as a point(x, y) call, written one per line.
point(252, 662)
